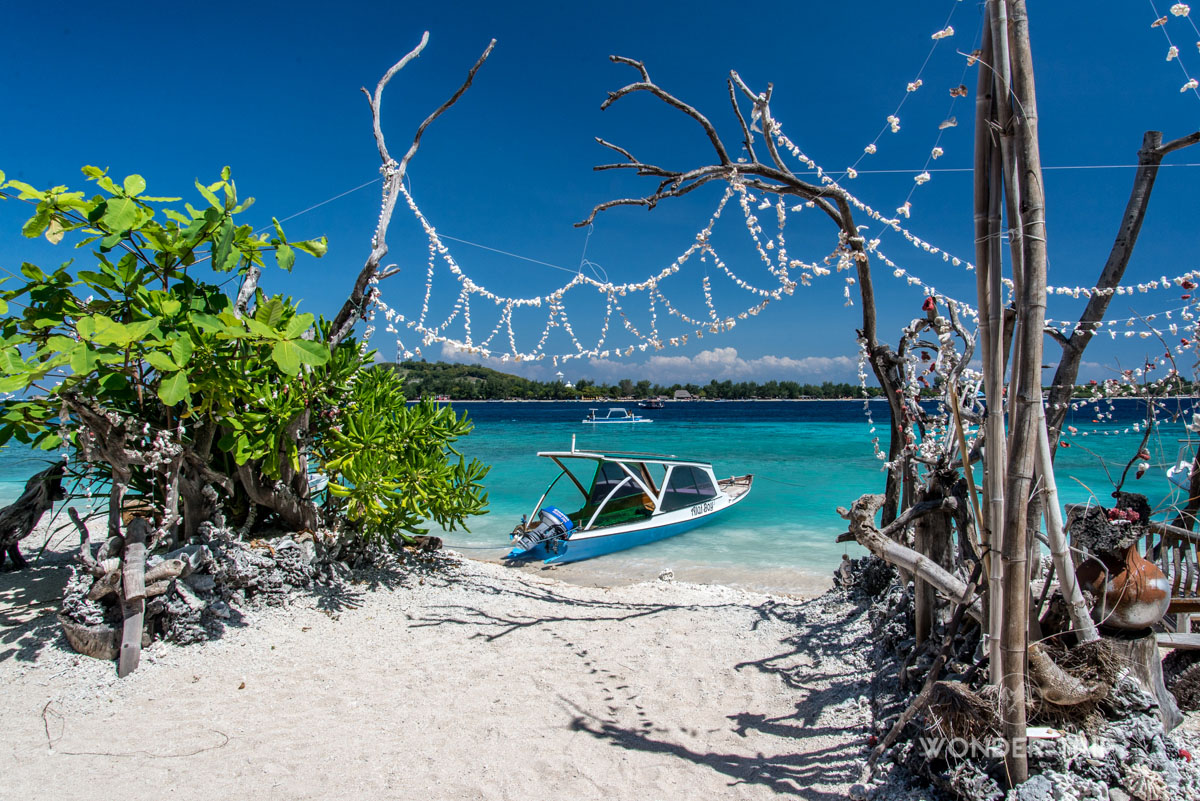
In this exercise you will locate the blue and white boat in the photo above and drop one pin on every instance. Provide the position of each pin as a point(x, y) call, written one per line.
point(615, 415)
point(630, 499)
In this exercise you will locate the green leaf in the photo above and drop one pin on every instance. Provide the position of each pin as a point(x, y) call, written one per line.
point(270, 312)
point(161, 361)
point(224, 243)
point(93, 172)
point(177, 217)
point(109, 242)
point(83, 359)
point(209, 196)
point(313, 247)
point(27, 191)
point(38, 223)
point(312, 353)
point(134, 185)
point(261, 329)
point(50, 443)
point(173, 388)
point(209, 323)
point(285, 257)
point(110, 332)
point(32, 272)
point(3, 306)
point(298, 325)
point(139, 330)
point(121, 214)
point(15, 383)
point(85, 327)
point(287, 356)
point(182, 349)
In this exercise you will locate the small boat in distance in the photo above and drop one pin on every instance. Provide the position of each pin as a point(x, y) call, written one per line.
point(652, 403)
point(632, 499)
point(615, 415)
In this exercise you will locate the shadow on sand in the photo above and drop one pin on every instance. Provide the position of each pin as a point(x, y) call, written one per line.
point(809, 656)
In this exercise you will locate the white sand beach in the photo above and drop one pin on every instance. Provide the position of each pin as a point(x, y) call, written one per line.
point(470, 681)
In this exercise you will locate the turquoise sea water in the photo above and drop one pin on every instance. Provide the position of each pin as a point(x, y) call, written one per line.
point(808, 458)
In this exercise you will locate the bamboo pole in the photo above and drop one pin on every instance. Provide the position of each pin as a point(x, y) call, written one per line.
point(989, 289)
point(1027, 377)
point(1064, 565)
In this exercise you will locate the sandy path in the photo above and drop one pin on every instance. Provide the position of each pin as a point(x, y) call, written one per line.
point(479, 683)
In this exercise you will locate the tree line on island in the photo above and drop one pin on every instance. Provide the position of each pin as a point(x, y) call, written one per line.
point(474, 382)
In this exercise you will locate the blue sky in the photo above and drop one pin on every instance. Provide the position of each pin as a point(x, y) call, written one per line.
point(272, 90)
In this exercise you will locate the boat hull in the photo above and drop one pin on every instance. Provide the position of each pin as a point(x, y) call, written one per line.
point(575, 550)
point(598, 542)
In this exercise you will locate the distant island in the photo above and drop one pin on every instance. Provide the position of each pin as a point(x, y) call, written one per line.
point(453, 381)
point(475, 382)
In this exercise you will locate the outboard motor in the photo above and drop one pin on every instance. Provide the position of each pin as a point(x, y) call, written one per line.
point(553, 524)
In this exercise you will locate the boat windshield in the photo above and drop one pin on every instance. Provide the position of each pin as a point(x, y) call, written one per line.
point(687, 486)
point(608, 476)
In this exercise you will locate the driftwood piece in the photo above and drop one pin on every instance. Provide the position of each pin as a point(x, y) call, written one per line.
point(361, 296)
point(133, 597)
point(1077, 610)
point(1140, 655)
point(98, 642)
point(167, 569)
point(1057, 686)
point(189, 597)
point(17, 521)
point(105, 585)
point(192, 557)
point(158, 588)
point(862, 526)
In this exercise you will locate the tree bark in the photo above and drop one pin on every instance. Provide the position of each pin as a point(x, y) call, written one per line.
point(932, 540)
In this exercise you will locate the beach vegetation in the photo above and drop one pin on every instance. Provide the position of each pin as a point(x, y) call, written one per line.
point(151, 380)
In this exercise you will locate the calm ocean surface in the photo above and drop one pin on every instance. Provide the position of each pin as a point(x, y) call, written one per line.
point(808, 458)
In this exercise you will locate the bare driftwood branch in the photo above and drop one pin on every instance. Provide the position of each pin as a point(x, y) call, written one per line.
point(775, 179)
point(646, 85)
point(1062, 386)
point(393, 176)
point(862, 525)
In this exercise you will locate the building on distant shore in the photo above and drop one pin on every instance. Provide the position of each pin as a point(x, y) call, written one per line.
point(683, 394)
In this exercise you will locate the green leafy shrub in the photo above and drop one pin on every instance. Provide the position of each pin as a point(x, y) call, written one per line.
point(158, 382)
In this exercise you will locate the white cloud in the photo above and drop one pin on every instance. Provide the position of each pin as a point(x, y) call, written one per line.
point(718, 363)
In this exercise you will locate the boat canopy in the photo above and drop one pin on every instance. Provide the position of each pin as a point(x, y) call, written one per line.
point(623, 486)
